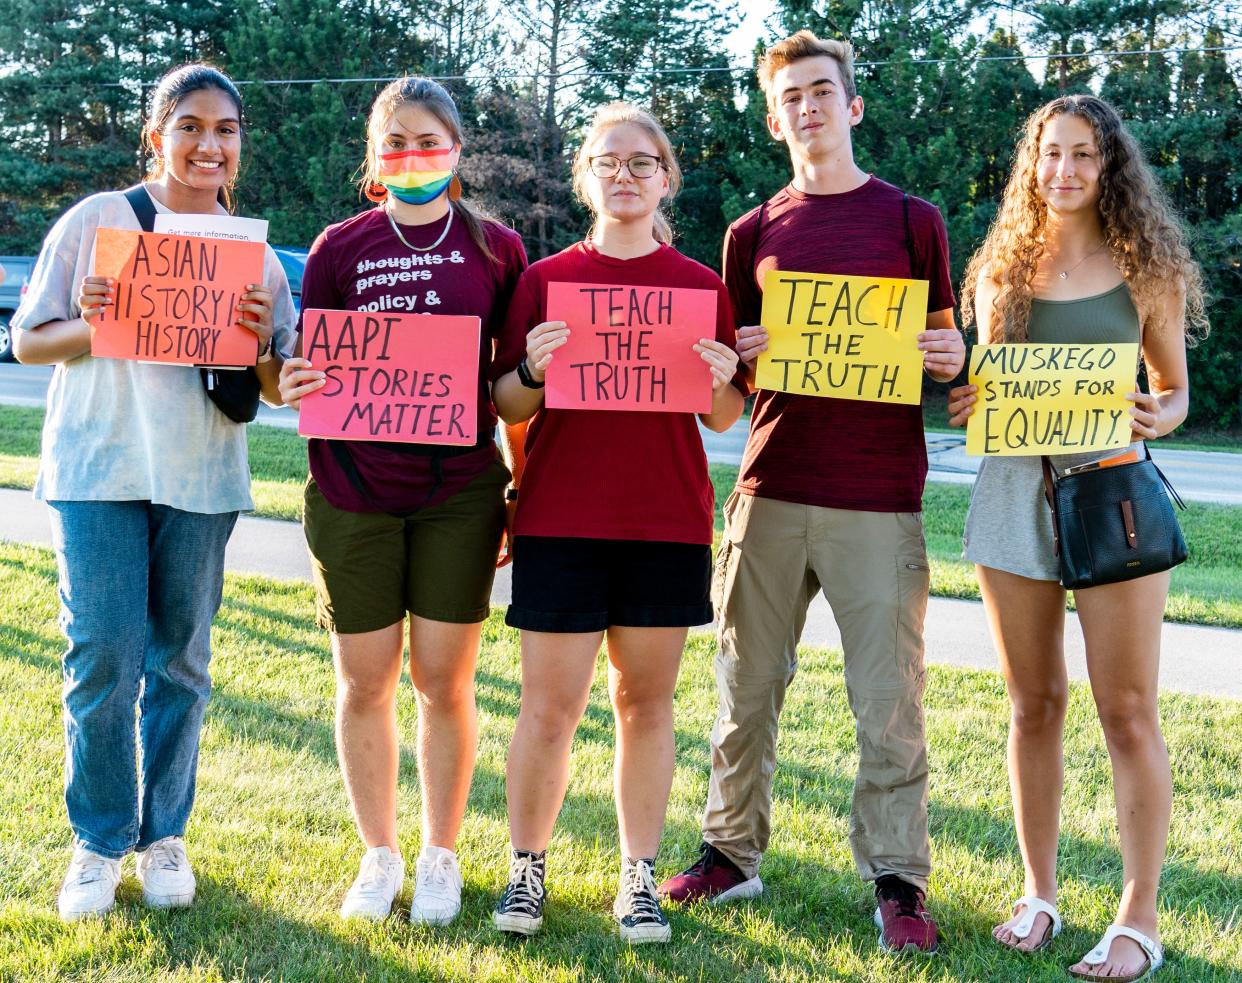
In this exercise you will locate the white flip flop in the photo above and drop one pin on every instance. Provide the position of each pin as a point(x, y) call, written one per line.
point(1034, 906)
point(1152, 949)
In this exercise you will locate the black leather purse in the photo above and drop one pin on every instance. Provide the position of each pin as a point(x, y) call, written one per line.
point(234, 391)
point(1113, 524)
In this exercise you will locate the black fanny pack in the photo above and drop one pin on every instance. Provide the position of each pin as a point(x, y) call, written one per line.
point(234, 391)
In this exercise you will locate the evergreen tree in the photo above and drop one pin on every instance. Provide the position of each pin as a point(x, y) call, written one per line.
point(307, 142)
point(69, 127)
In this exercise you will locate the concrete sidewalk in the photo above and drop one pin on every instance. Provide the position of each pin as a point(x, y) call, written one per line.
point(1196, 659)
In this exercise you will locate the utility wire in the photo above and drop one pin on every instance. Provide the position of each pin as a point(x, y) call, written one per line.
point(522, 76)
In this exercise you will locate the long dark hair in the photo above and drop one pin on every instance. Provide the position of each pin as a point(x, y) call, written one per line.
point(171, 89)
point(413, 90)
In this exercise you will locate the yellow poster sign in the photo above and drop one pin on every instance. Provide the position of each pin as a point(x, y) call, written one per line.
point(848, 337)
point(1050, 399)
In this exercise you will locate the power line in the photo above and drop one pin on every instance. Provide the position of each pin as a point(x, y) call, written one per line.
point(714, 69)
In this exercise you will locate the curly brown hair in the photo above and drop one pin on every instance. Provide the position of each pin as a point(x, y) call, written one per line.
point(1141, 231)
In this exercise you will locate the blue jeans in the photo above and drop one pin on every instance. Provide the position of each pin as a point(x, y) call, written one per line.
point(139, 587)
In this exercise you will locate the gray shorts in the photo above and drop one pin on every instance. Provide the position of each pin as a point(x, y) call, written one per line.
point(1009, 524)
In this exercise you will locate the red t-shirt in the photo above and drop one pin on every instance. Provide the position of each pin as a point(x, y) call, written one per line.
point(813, 450)
point(361, 265)
point(606, 474)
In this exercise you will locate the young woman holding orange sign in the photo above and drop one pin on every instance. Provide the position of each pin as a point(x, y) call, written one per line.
point(144, 478)
point(613, 529)
point(1085, 249)
point(399, 530)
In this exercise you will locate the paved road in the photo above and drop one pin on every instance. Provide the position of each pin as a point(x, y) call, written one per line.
point(1200, 477)
point(1197, 659)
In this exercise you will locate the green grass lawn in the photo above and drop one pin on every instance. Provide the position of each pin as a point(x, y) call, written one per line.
point(1206, 590)
point(275, 849)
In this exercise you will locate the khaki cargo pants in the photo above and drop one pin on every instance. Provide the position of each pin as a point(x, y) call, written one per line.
point(872, 568)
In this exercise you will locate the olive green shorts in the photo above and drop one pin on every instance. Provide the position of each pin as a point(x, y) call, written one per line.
point(370, 568)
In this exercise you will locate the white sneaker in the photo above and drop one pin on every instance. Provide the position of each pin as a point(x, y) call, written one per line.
point(164, 869)
point(379, 879)
point(90, 885)
point(437, 887)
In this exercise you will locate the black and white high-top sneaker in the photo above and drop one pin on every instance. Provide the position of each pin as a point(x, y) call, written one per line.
point(637, 908)
point(520, 908)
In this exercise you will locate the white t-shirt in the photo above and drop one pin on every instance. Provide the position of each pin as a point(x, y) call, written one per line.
point(129, 431)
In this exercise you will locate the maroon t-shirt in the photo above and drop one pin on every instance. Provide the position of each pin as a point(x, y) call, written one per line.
point(361, 265)
point(607, 474)
point(813, 450)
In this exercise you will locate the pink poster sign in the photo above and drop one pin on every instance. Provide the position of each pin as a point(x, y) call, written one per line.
point(407, 378)
point(630, 348)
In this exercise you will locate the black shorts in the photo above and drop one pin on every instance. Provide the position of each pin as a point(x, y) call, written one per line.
point(567, 584)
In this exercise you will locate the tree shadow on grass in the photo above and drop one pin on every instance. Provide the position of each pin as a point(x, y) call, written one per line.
point(226, 931)
point(843, 900)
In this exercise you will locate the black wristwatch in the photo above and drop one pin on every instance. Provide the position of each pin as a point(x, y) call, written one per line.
point(525, 378)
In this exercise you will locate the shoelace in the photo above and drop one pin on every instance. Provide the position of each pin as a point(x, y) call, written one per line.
point(706, 862)
point(436, 875)
point(906, 896)
point(167, 854)
point(525, 889)
point(639, 886)
point(372, 877)
point(90, 868)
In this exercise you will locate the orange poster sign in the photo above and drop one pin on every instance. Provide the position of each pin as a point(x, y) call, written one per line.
point(176, 298)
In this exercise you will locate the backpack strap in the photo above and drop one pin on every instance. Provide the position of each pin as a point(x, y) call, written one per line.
point(144, 209)
point(905, 214)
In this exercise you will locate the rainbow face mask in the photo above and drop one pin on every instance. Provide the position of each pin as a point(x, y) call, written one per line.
point(418, 176)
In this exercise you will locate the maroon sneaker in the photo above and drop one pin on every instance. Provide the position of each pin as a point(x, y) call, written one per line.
point(713, 877)
point(902, 918)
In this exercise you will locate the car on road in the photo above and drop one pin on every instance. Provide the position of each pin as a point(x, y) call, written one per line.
point(294, 262)
point(17, 270)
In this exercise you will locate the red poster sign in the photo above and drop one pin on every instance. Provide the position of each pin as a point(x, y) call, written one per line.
point(407, 378)
point(176, 298)
point(630, 348)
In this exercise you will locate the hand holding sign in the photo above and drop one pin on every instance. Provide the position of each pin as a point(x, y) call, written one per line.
point(1049, 399)
point(541, 342)
point(96, 294)
point(752, 341)
point(628, 348)
point(1144, 415)
point(847, 337)
point(961, 404)
point(297, 380)
point(255, 312)
point(720, 358)
point(944, 352)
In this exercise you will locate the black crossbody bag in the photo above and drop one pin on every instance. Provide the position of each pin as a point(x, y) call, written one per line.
point(1113, 524)
point(234, 391)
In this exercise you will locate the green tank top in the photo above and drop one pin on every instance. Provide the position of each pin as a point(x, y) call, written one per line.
point(1107, 318)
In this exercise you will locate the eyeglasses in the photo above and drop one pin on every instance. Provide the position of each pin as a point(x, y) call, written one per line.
point(641, 166)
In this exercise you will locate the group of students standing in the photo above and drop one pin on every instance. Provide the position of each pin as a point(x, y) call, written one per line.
point(607, 516)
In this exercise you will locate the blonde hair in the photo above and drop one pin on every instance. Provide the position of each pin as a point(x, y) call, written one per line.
point(805, 44)
point(432, 96)
point(625, 114)
point(1141, 231)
